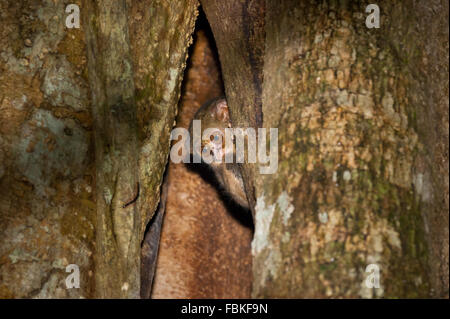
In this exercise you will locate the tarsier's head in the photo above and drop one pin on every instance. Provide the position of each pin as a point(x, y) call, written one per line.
point(214, 117)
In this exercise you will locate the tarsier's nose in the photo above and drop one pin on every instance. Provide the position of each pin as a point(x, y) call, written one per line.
point(213, 146)
point(215, 150)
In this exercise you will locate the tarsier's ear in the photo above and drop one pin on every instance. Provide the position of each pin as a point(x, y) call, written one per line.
point(222, 111)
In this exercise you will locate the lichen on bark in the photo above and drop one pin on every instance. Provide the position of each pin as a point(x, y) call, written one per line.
point(132, 123)
point(344, 99)
point(337, 93)
point(46, 193)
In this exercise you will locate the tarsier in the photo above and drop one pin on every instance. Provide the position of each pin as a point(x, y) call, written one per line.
point(214, 114)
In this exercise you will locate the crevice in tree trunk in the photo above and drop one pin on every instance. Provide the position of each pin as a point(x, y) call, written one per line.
point(205, 236)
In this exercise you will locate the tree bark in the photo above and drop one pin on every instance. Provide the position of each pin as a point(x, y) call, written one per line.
point(111, 89)
point(116, 146)
point(131, 154)
point(47, 176)
point(362, 118)
point(344, 100)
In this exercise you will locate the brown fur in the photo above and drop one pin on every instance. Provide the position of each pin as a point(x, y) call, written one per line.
point(214, 114)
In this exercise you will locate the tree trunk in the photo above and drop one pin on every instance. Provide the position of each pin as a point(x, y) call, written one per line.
point(109, 88)
point(362, 119)
point(47, 176)
point(348, 191)
point(132, 79)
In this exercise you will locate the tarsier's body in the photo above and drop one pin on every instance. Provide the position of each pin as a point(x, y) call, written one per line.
point(214, 114)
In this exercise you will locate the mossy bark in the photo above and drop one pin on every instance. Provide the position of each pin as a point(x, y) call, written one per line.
point(47, 208)
point(363, 134)
point(109, 88)
point(135, 76)
point(344, 101)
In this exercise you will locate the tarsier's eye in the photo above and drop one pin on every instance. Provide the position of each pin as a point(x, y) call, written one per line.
point(216, 137)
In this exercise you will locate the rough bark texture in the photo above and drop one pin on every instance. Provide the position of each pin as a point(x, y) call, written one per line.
point(85, 117)
point(346, 101)
point(205, 249)
point(116, 80)
point(160, 35)
point(428, 66)
point(47, 173)
point(120, 136)
point(115, 131)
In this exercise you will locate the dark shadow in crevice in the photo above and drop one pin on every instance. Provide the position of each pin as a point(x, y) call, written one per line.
point(241, 214)
point(201, 24)
point(151, 241)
